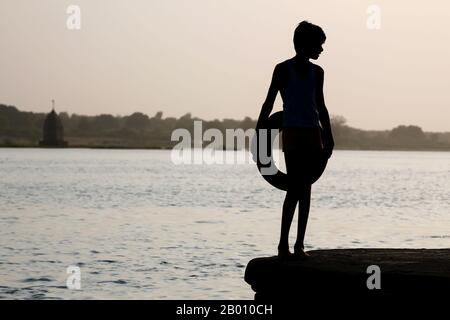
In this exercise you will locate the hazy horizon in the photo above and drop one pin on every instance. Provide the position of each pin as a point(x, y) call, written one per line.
point(215, 59)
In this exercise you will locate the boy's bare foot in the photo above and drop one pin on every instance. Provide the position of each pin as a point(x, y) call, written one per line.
point(301, 254)
point(284, 253)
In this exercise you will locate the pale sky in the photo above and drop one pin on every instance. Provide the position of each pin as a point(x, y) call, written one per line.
point(214, 58)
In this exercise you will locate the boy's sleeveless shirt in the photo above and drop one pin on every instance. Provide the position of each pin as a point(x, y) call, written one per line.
point(299, 98)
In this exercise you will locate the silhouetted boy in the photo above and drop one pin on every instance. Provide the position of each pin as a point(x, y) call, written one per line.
point(300, 84)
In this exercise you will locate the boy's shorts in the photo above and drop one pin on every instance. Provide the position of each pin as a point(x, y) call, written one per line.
point(302, 149)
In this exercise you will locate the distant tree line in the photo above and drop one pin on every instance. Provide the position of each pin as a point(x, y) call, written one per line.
point(138, 130)
point(402, 137)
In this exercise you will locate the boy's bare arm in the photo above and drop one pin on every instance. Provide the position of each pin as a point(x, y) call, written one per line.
point(324, 116)
point(267, 106)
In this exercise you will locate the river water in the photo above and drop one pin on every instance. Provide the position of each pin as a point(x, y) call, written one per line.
point(140, 227)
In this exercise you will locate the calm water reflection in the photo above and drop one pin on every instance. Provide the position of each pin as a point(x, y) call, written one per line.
point(141, 227)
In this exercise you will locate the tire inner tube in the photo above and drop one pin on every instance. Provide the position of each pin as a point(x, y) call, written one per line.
point(264, 140)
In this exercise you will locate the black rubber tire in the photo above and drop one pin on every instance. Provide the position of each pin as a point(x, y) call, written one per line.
point(279, 179)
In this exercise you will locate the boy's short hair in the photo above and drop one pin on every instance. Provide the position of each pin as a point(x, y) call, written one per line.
point(307, 34)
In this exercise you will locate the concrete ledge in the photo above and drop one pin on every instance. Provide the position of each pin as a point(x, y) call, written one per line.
point(343, 273)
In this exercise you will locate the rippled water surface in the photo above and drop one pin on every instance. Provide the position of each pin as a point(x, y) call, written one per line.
point(139, 226)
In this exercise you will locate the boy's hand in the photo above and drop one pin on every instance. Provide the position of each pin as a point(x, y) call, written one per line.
point(258, 125)
point(261, 120)
point(328, 147)
point(328, 152)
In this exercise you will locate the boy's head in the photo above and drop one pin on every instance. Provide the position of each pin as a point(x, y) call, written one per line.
point(308, 40)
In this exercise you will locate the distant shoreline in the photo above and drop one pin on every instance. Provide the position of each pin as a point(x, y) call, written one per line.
point(163, 148)
point(19, 129)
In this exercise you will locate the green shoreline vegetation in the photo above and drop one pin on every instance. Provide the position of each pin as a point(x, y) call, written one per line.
point(139, 131)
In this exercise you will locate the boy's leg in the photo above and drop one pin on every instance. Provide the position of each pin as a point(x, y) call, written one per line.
point(290, 202)
point(309, 162)
point(303, 214)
